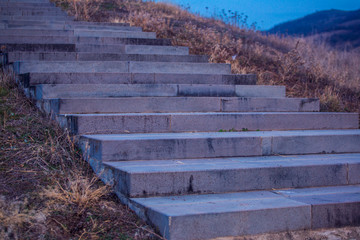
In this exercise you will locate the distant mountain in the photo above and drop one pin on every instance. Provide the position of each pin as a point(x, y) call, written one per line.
point(336, 27)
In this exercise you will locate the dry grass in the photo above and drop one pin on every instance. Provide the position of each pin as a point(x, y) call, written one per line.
point(306, 68)
point(47, 190)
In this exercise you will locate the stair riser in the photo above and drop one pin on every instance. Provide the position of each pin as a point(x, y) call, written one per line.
point(69, 33)
point(24, 47)
point(135, 78)
point(79, 40)
point(166, 178)
point(11, 22)
point(25, 4)
point(34, 13)
point(230, 181)
point(54, 23)
point(78, 24)
point(40, 47)
point(121, 67)
point(187, 104)
point(189, 148)
point(27, 32)
point(24, 1)
point(24, 7)
point(37, 40)
point(115, 41)
point(115, 34)
point(134, 49)
point(195, 123)
point(13, 57)
point(147, 90)
point(94, 34)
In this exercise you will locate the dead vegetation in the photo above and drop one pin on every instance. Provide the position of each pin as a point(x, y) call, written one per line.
point(306, 68)
point(47, 190)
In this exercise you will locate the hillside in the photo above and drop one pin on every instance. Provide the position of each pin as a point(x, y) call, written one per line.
point(332, 76)
point(338, 28)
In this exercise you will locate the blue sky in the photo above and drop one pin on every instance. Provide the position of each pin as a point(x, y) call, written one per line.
point(267, 13)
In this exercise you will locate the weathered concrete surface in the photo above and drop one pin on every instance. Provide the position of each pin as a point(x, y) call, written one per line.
point(261, 91)
point(137, 90)
point(25, 47)
point(232, 214)
point(66, 56)
point(178, 104)
point(127, 78)
point(81, 40)
point(244, 214)
point(215, 121)
point(165, 146)
point(221, 175)
point(120, 67)
point(331, 206)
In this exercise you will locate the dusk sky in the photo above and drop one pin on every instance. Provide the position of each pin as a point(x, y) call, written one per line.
point(267, 13)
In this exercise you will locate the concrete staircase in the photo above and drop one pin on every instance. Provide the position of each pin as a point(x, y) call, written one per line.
point(196, 151)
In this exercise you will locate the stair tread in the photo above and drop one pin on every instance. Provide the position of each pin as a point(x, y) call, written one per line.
point(211, 164)
point(246, 213)
point(243, 201)
point(149, 136)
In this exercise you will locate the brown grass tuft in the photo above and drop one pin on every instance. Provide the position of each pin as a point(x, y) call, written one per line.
point(79, 191)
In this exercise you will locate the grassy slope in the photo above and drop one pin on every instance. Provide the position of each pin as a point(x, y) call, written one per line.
point(47, 190)
point(305, 68)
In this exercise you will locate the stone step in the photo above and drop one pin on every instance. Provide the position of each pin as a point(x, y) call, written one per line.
point(22, 6)
point(79, 124)
point(98, 48)
point(43, 19)
point(71, 47)
point(222, 175)
point(178, 104)
point(82, 40)
point(28, 8)
point(25, 1)
point(36, 32)
point(60, 23)
point(249, 213)
point(25, 47)
point(133, 49)
point(26, 4)
point(134, 78)
point(49, 13)
point(153, 90)
point(68, 33)
point(120, 67)
point(11, 9)
point(134, 33)
point(78, 34)
point(115, 41)
point(68, 56)
point(168, 146)
point(68, 22)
